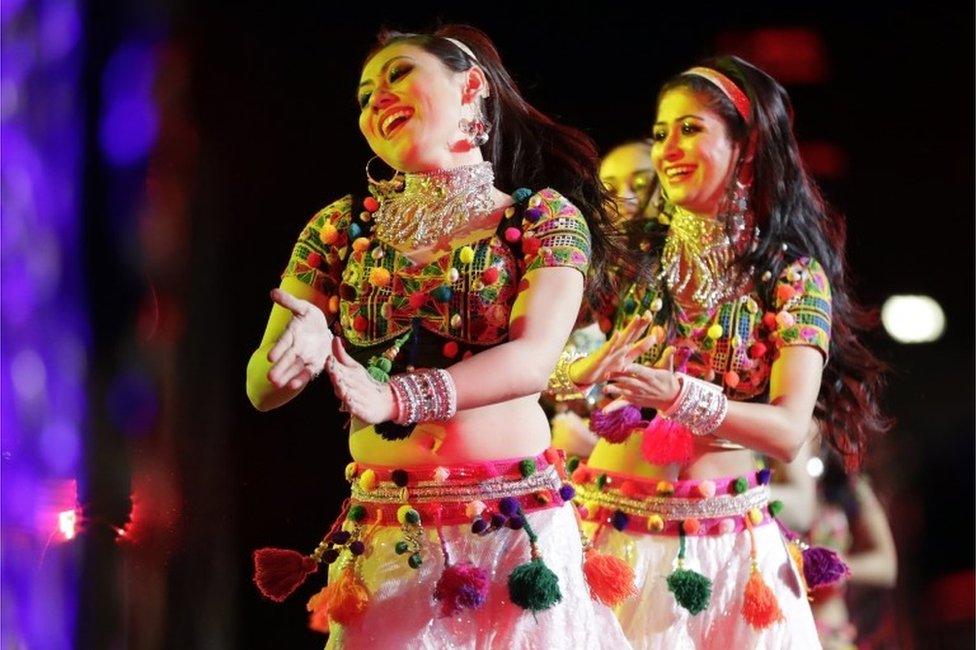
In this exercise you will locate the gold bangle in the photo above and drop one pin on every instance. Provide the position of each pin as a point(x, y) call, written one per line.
point(561, 387)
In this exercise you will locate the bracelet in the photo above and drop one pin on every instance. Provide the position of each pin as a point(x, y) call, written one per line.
point(561, 387)
point(700, 406)
point(424, 396)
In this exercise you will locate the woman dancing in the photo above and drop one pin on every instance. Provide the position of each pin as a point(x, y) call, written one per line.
point(454, 289)
point(746, 299)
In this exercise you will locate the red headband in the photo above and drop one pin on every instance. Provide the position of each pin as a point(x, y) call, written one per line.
point(738, 98)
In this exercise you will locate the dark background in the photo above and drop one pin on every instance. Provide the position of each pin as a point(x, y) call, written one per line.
point(259, 130)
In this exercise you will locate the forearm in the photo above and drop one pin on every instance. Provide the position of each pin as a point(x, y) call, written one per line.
point(509, 371)
point(263, 394)
point(873, 568)
point(777, 430)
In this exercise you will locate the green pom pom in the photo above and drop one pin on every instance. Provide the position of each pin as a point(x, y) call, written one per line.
point(521, 194)
point(533, 586)
point(740, 485)
point(412, 516)
point(775, 507)
point(601, 481)
point(691, 590)
point(572, 463)
point(401, 547)
point(415, 561)
point(384, 364)
point(527, 467)
point(378, 374)
point(356, 513)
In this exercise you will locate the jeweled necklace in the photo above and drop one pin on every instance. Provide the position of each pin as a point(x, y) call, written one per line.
point(708, 253)
point(434, 204)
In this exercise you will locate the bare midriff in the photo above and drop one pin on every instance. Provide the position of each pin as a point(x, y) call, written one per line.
point(706, 462)
point(514, 429)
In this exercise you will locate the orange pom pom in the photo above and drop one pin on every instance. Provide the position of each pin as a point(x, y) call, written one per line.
point(610, 579)
point(580, 475)
point(329, 234)
point(360, 244)
point(759, 606)
point(784, 292)
point(691, 526)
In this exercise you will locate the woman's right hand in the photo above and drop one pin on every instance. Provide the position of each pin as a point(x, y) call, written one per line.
point(617, 353)
point(301, 351)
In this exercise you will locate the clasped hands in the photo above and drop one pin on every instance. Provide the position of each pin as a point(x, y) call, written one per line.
point(307, 346)
point(655, 387)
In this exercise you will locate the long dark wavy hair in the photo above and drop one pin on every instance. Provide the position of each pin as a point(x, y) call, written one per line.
point(794, 221)
point(526, 147)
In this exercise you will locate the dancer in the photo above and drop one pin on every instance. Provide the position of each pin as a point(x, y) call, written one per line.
point(454, 288)
point(746, 300)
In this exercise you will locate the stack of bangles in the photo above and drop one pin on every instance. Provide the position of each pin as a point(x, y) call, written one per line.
point(426, 395)
point(561, 385)
point(700, 406)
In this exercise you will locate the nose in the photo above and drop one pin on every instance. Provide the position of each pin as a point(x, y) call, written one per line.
point(381, 99)
point(672, 149)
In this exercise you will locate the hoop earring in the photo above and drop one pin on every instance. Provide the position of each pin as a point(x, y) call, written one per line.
point(383, 188)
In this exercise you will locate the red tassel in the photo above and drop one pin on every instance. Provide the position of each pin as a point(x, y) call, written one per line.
point(278, 572)
point(666, 441)
point(759, 607)
point(611, 580)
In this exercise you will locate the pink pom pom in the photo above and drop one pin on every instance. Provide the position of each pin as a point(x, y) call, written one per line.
point(666, 441)
point(462, 586)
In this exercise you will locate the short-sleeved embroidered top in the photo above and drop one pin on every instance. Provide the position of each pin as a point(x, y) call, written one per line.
point(735, 344)
point(455, 304)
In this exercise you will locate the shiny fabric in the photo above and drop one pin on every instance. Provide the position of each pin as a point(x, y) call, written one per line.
point(402, 614)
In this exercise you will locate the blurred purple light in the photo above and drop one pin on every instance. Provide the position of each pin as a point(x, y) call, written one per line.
point(129, 122)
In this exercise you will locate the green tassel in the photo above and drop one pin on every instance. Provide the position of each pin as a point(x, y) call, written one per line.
point(533, 586)
point(692, 590)
point(378, 374)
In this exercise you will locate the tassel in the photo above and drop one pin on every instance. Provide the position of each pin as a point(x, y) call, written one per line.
point(759, 607)
point(533, 586)
point(278, 572)
point(462, 586)
point(666, 441)
point(318, 620)
point(616, 425)
point(691, 590)
point(344, 600)
point(611, 580)
point(823, 567)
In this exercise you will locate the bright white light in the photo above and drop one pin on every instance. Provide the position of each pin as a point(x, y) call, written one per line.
point(913, 319)
point(67, 523)
point(815, 467)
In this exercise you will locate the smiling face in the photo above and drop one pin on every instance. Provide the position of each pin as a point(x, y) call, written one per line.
point(692, 152)
point(411, 104)
point(627, 172)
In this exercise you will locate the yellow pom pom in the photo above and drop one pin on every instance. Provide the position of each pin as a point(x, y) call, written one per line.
point(715, 331)
point(329, 234)
point(655, 523)
point(334, 304)
point(351, 471)
point(665, 489)
point(755, 516)
point(367, 480)
point(402, 513)
point(466, 255)
point(379, 277)
point(361, 244)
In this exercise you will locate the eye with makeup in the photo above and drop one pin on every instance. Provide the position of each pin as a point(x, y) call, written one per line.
point(690, 128)
point(394, 74)
point(659, 134)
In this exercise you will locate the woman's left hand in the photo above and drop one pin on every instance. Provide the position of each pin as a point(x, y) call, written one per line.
point(365, 398)
point(641, 386)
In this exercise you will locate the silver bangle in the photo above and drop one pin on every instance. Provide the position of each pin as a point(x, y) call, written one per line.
point(700, 406)
point(424, 396)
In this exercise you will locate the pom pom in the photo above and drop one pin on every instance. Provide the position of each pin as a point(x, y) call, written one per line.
point(731, 379)
point(610, 579)
point(691, 526)
point(785, 319)
point(367, 480)
point(466, 254)
point(759, 606)
point(278, 572)
point(329, 234)
point(357, 547)
point(474, 509)
point(442, 293)
point(407, 515)
point(360, 244)
point(512, 234)
point(489, 275)
point(400, 477)
point(619, 519)
point(351, 469)
point(726, 526)
point(655, 523)
point(415, 561)
point(479, 526)
point(356, 513)
point(784, 292)
point(313, 259)
point(417, 300)
point(763, 476)
point(775, 507)
point(755, 516)
point(692, 590)
point(769, 320)
point(580, 475)
point(461, 586)
point(706, 488)
point(516, 522)
point(379, 276)
point(527, 467)
point(371, 204)
point(664, 489)
point(572, 463)
point(533, 586)
point(531, 245)
point(360, 324)
point(823, 567)
point(740, 485)
point(450, 349)
point(441, 474)
point(508, 506)
point(666, 441)
point(715, 331)
point(616, 426)
point(521, 194)
point(567, 492)
point(757, 351)
point(534, 214)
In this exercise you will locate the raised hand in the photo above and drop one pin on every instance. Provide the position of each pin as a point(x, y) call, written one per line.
point(620, 350)
point(654, 387)
point(300, 353)
point(365, 398)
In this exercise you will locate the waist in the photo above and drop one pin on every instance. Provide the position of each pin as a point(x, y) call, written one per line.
point(494, 491)
point(696, 507)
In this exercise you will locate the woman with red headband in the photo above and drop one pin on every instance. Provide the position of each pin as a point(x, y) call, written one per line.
point(752, 333)
point(454, 288)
